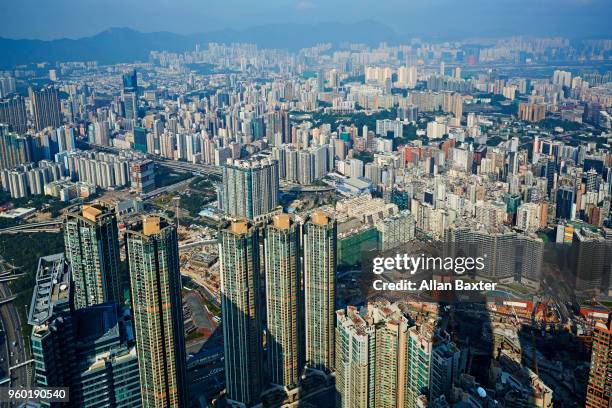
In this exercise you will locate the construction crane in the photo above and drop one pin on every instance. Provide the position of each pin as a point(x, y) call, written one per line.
point(517, 323)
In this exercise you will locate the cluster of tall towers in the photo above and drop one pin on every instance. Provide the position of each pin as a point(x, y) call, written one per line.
point(46, 110)
point(92, 250)
point(277, 278)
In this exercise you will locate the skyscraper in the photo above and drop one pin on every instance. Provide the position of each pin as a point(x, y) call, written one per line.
point(65, 138)
point(420, 342)
point(92, 248)
point(320, 243)
point(395, 230)
point(565, 203)
point(589, 262)
point(390, 360)
point(407, 76)
point(142, 176)
point(46, 107)
point(13, 113)
point(250, 188)
point(7, 85)
point(14, 149)
point(140, 139)
point(500, 249)
point(155, 287)
point(549, 169)
point(371, 354)
point(283, 296)
point(89, 350)
point(529, 257)
point(52, 276)
point(599, 389)
point(384, 360)
point(445, 367)
point(532, 112)
point(457, 106)
point(129, 101)
point(130, 81)
point(241, 312)
point(354, 349)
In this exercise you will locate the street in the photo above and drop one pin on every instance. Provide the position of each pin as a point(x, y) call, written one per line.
point(14, 351)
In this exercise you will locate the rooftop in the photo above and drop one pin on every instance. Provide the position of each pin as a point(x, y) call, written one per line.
point(255, 162)
point(52, 287)
point(15, 213)
point(147, 224)
point(239, 227)
point(282, 221)
point(319, 218)
point(91, 212)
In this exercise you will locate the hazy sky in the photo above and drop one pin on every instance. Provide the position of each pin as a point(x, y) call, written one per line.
point(48, 19)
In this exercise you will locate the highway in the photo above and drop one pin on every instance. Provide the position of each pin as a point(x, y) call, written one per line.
point(9, 274)
point(204, 169)
point(17, 354)
point(43, 226)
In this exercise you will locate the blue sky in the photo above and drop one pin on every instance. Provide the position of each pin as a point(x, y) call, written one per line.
point(47, 19)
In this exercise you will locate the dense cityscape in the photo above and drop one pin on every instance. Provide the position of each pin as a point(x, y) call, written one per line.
point(195, 228)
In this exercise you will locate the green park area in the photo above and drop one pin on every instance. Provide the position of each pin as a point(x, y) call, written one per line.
point(200, 192)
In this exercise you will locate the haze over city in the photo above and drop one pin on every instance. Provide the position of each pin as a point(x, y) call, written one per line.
point(439, 19)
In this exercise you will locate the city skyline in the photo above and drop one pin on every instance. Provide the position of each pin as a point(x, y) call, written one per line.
point(347, 204)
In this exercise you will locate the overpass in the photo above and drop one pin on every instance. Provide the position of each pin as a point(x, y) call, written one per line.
point(18, 361)
point(195, 168)
point(167, 189)
point(42, 226)
point(298, 188)
point(11, 277)
point(7, 300)
point(8, 273)
point(196, 244)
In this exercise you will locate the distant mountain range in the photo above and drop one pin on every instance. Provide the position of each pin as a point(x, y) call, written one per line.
point(117, 45)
